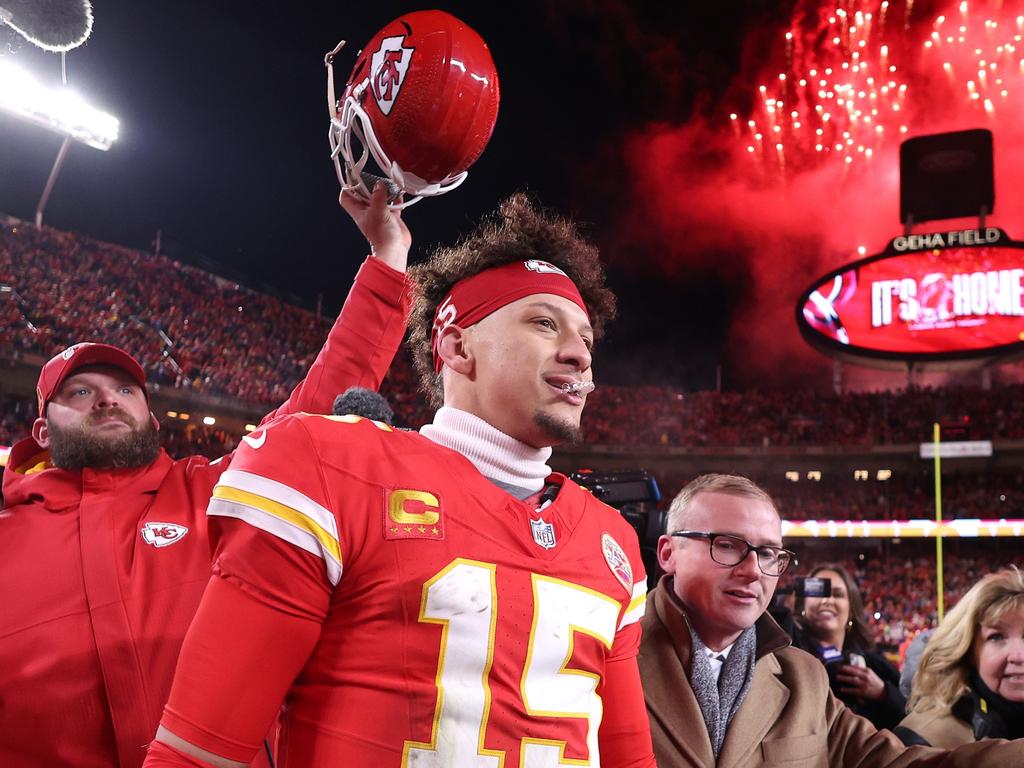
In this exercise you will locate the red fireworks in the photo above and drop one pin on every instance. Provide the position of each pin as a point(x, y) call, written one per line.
point(858, 76)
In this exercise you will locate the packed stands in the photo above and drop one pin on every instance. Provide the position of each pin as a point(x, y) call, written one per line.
point(660, 416)
point(992, 494)
point(16, 417)
point(189, 328)
point(200, 333)
point(196, 331)
point(898, 582)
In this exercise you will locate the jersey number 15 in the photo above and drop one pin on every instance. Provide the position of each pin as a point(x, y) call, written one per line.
point(462, 598)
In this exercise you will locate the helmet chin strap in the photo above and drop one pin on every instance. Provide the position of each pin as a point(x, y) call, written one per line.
point(349, 169)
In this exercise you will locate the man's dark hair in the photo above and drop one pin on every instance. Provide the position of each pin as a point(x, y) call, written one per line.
point(518, 231)
point(364, 402)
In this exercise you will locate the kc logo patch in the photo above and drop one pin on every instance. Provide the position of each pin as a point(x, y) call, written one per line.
point(388, 66)
point(162, 534)
point(412, 514)
point(618, 562)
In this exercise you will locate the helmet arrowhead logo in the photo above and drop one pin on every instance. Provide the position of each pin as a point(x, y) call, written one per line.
point(388, 66)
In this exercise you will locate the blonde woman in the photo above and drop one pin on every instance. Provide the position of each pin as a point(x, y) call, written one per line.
point(970, 684)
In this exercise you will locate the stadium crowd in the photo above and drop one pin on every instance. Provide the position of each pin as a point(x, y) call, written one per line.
point(661, 416)
point(896, 615)
point(993, 494)
point(190, 329)
point(903, 497)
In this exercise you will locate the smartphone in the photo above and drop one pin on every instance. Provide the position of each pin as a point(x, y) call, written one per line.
point(856, 660)
point(812, 586)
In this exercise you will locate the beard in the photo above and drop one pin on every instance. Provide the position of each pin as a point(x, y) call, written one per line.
point(80, 447)
point(561, 431)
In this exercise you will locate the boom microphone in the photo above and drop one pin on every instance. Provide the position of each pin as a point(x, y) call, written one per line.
point(364, 402)
point(53, 25)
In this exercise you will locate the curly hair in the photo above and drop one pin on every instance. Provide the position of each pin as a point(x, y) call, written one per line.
point(519, 230)
point(946, 665)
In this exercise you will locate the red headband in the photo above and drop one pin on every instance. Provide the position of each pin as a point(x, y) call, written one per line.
point(471, 300)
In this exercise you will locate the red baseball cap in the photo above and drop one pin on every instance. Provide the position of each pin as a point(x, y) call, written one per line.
point(77, 356)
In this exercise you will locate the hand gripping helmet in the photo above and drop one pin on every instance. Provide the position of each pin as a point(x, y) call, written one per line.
point(422, 100)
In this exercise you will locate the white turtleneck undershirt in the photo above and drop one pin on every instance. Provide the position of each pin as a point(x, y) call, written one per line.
point(510, 464)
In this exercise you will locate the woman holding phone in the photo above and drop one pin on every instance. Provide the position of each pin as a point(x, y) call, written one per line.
point(832, 627)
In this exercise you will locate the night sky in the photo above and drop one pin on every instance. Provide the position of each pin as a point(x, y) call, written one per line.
point(606, 112)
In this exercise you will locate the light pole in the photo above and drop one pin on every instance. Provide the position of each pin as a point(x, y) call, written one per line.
point(60, 110)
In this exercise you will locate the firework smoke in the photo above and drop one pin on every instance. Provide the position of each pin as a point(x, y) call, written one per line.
point(798, 174)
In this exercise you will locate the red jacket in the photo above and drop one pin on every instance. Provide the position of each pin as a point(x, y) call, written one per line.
point(101, 570)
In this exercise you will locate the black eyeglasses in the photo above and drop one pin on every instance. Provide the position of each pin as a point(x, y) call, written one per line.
point(732, 550)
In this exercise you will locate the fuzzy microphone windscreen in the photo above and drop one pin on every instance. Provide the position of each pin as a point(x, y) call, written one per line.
point(53, 25)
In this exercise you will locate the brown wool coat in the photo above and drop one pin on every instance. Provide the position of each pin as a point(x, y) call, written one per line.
point(940, 729)
point(789, 717)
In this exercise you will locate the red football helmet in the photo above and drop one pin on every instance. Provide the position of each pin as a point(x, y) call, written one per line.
point(422, 99)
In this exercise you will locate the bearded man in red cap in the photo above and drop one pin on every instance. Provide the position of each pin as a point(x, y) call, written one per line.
point(104, 552)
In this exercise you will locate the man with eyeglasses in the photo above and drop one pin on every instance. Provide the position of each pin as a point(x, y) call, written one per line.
point(723, 686)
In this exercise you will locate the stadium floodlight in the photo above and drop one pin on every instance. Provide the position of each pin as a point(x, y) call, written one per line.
point(60, 110)
point(57, 109)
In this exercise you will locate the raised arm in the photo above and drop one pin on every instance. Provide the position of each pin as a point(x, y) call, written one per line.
point(360, 347)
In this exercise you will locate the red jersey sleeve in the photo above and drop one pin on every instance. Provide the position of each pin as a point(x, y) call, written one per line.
point(272, 526)
point(624, 735)
point(360, 347)
point(236, 664)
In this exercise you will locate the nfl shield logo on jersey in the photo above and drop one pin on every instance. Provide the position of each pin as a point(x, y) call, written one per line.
point(162, 534)
point(543, 533)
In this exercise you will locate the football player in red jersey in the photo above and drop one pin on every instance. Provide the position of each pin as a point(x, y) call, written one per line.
point(436, 598)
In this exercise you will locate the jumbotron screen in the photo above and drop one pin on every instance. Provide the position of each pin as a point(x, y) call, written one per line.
point(945, 295)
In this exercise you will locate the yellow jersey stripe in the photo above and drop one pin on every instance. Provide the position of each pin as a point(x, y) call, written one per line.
point(276, 527)
point(282, 494)
point(635, 602)
point(637, 606)
point(328, 540)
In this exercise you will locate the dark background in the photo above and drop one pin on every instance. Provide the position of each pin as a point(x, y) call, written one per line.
point(223, 149)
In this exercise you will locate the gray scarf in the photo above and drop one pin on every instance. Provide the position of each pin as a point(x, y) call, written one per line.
point(719, 703)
